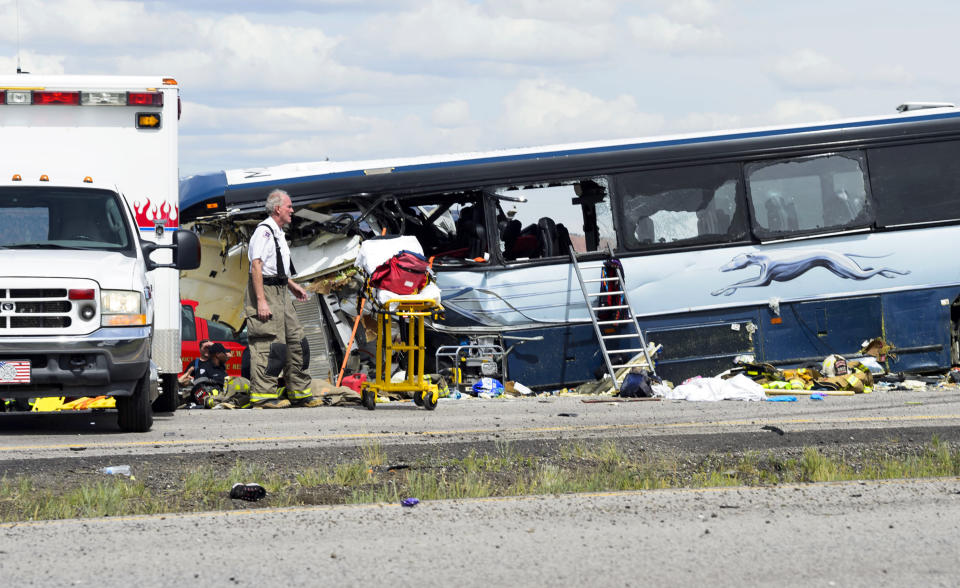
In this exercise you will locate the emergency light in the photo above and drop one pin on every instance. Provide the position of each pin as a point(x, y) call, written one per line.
point(81, 98)
point(45, 97)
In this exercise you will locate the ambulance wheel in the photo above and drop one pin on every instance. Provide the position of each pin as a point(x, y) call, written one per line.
point(430, 399)
point(134, 413)
point(169, 397)
point(369, 399)
point(418, 397)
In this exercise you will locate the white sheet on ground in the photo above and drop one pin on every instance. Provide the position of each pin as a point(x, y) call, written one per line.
point(739, 387)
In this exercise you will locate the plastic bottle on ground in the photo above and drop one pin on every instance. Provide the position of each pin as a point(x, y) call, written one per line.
point(120, 470)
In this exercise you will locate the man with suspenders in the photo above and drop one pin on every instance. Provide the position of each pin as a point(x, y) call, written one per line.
point(276, 339)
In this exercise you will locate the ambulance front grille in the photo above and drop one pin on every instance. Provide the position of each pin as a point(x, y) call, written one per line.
point(35, 308)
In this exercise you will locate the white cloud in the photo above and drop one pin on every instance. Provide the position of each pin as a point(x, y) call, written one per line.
point(269, 61)
point(576, 11)
point(783, 112)
point(791, 111)
point(106, 23)
point(286, 120)
point(451, 113)
point(894, 75)
point(707, 121)
point(33, 62)
point(232, 52)
point(541, 111)
point(807, 69)
point(692, 11)
point(275, 136)
point(672, 36)
point(461, 30)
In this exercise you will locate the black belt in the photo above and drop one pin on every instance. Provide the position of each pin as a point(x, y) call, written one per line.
point(274, 281)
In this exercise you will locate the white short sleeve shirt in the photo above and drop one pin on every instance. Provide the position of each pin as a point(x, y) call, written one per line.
point(263, 248)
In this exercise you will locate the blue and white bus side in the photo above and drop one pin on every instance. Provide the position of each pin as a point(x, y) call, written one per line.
point(786, 243)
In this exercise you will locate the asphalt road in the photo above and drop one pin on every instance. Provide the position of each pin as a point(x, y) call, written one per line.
point(853, 534)
point(895, 533)
point(887, 414)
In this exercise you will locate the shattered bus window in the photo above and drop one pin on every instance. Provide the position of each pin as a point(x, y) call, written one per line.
point(450, 227)
point(810, 194)
point(688, 205)
point(545, 220)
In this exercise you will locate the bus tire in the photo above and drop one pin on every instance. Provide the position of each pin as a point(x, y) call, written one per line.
point(169, 397)
point(134, 413)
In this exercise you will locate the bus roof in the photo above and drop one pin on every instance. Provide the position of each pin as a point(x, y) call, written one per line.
point(242, 185)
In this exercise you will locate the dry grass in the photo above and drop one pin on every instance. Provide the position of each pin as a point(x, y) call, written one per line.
point(575, 468)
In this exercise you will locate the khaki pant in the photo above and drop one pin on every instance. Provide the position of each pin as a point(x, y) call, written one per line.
point(236, 393)
point(276, 347)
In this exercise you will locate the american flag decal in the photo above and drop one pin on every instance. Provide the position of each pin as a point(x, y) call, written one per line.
point(15, 371)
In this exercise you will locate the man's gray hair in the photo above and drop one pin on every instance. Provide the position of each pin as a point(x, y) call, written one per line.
point(275, 199)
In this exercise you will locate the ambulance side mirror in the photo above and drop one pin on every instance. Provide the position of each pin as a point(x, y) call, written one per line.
point(186, 251)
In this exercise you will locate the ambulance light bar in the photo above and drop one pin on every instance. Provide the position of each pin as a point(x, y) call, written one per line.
point(82, 98)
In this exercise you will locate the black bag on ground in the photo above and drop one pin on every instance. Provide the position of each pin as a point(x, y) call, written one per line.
point(636, 385)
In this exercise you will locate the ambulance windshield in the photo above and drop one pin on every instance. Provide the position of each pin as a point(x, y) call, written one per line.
point(63, 218)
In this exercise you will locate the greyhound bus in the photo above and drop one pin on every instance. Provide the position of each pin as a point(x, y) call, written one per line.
point(783, 243)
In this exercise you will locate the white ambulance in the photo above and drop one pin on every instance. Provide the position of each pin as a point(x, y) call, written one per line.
point(89, 241)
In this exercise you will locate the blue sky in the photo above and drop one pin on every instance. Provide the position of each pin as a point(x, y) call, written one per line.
point(279, 82)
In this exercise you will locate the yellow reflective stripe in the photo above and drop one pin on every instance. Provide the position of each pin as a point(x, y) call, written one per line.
point(299, 394)
point(264, 396)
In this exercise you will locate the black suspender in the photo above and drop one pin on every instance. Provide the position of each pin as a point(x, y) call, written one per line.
point(281, 278)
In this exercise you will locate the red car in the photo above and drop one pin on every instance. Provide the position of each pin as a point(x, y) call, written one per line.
point(193, 329)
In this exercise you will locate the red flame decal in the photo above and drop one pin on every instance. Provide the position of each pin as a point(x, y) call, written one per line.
point(147, 212)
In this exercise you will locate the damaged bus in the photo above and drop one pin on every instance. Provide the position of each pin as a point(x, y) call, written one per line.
point(783, 243)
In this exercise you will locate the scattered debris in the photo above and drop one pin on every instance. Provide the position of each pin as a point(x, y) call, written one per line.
point(773, 429)
point(249, 492)
point(120, 470)
point(567, 414)
point(616, 399)
point(410, 502)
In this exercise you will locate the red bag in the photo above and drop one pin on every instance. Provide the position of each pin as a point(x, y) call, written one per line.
point(404, 273)
point(354, 382)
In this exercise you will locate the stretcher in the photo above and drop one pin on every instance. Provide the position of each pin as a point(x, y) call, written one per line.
point(412, 312)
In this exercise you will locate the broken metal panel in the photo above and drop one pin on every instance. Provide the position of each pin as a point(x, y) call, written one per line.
point(704, 340)
point(510, 298)
point(218, 284)
point(820, 328)
point(565, 356)
point(322, 362)
point(917, 324)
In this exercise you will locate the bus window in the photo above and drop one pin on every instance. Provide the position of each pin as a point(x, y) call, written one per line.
point(807, 195)
point(916, 183)
point(667, 207)
point(449, 227)
point(546, 219)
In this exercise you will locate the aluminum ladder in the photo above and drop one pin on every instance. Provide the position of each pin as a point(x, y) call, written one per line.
point(614, 287)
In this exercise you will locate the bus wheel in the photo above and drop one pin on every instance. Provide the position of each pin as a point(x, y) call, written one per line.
point(169, 397)
point(134, 413)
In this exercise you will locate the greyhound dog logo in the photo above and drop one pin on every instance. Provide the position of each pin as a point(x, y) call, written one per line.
point(786, 266)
